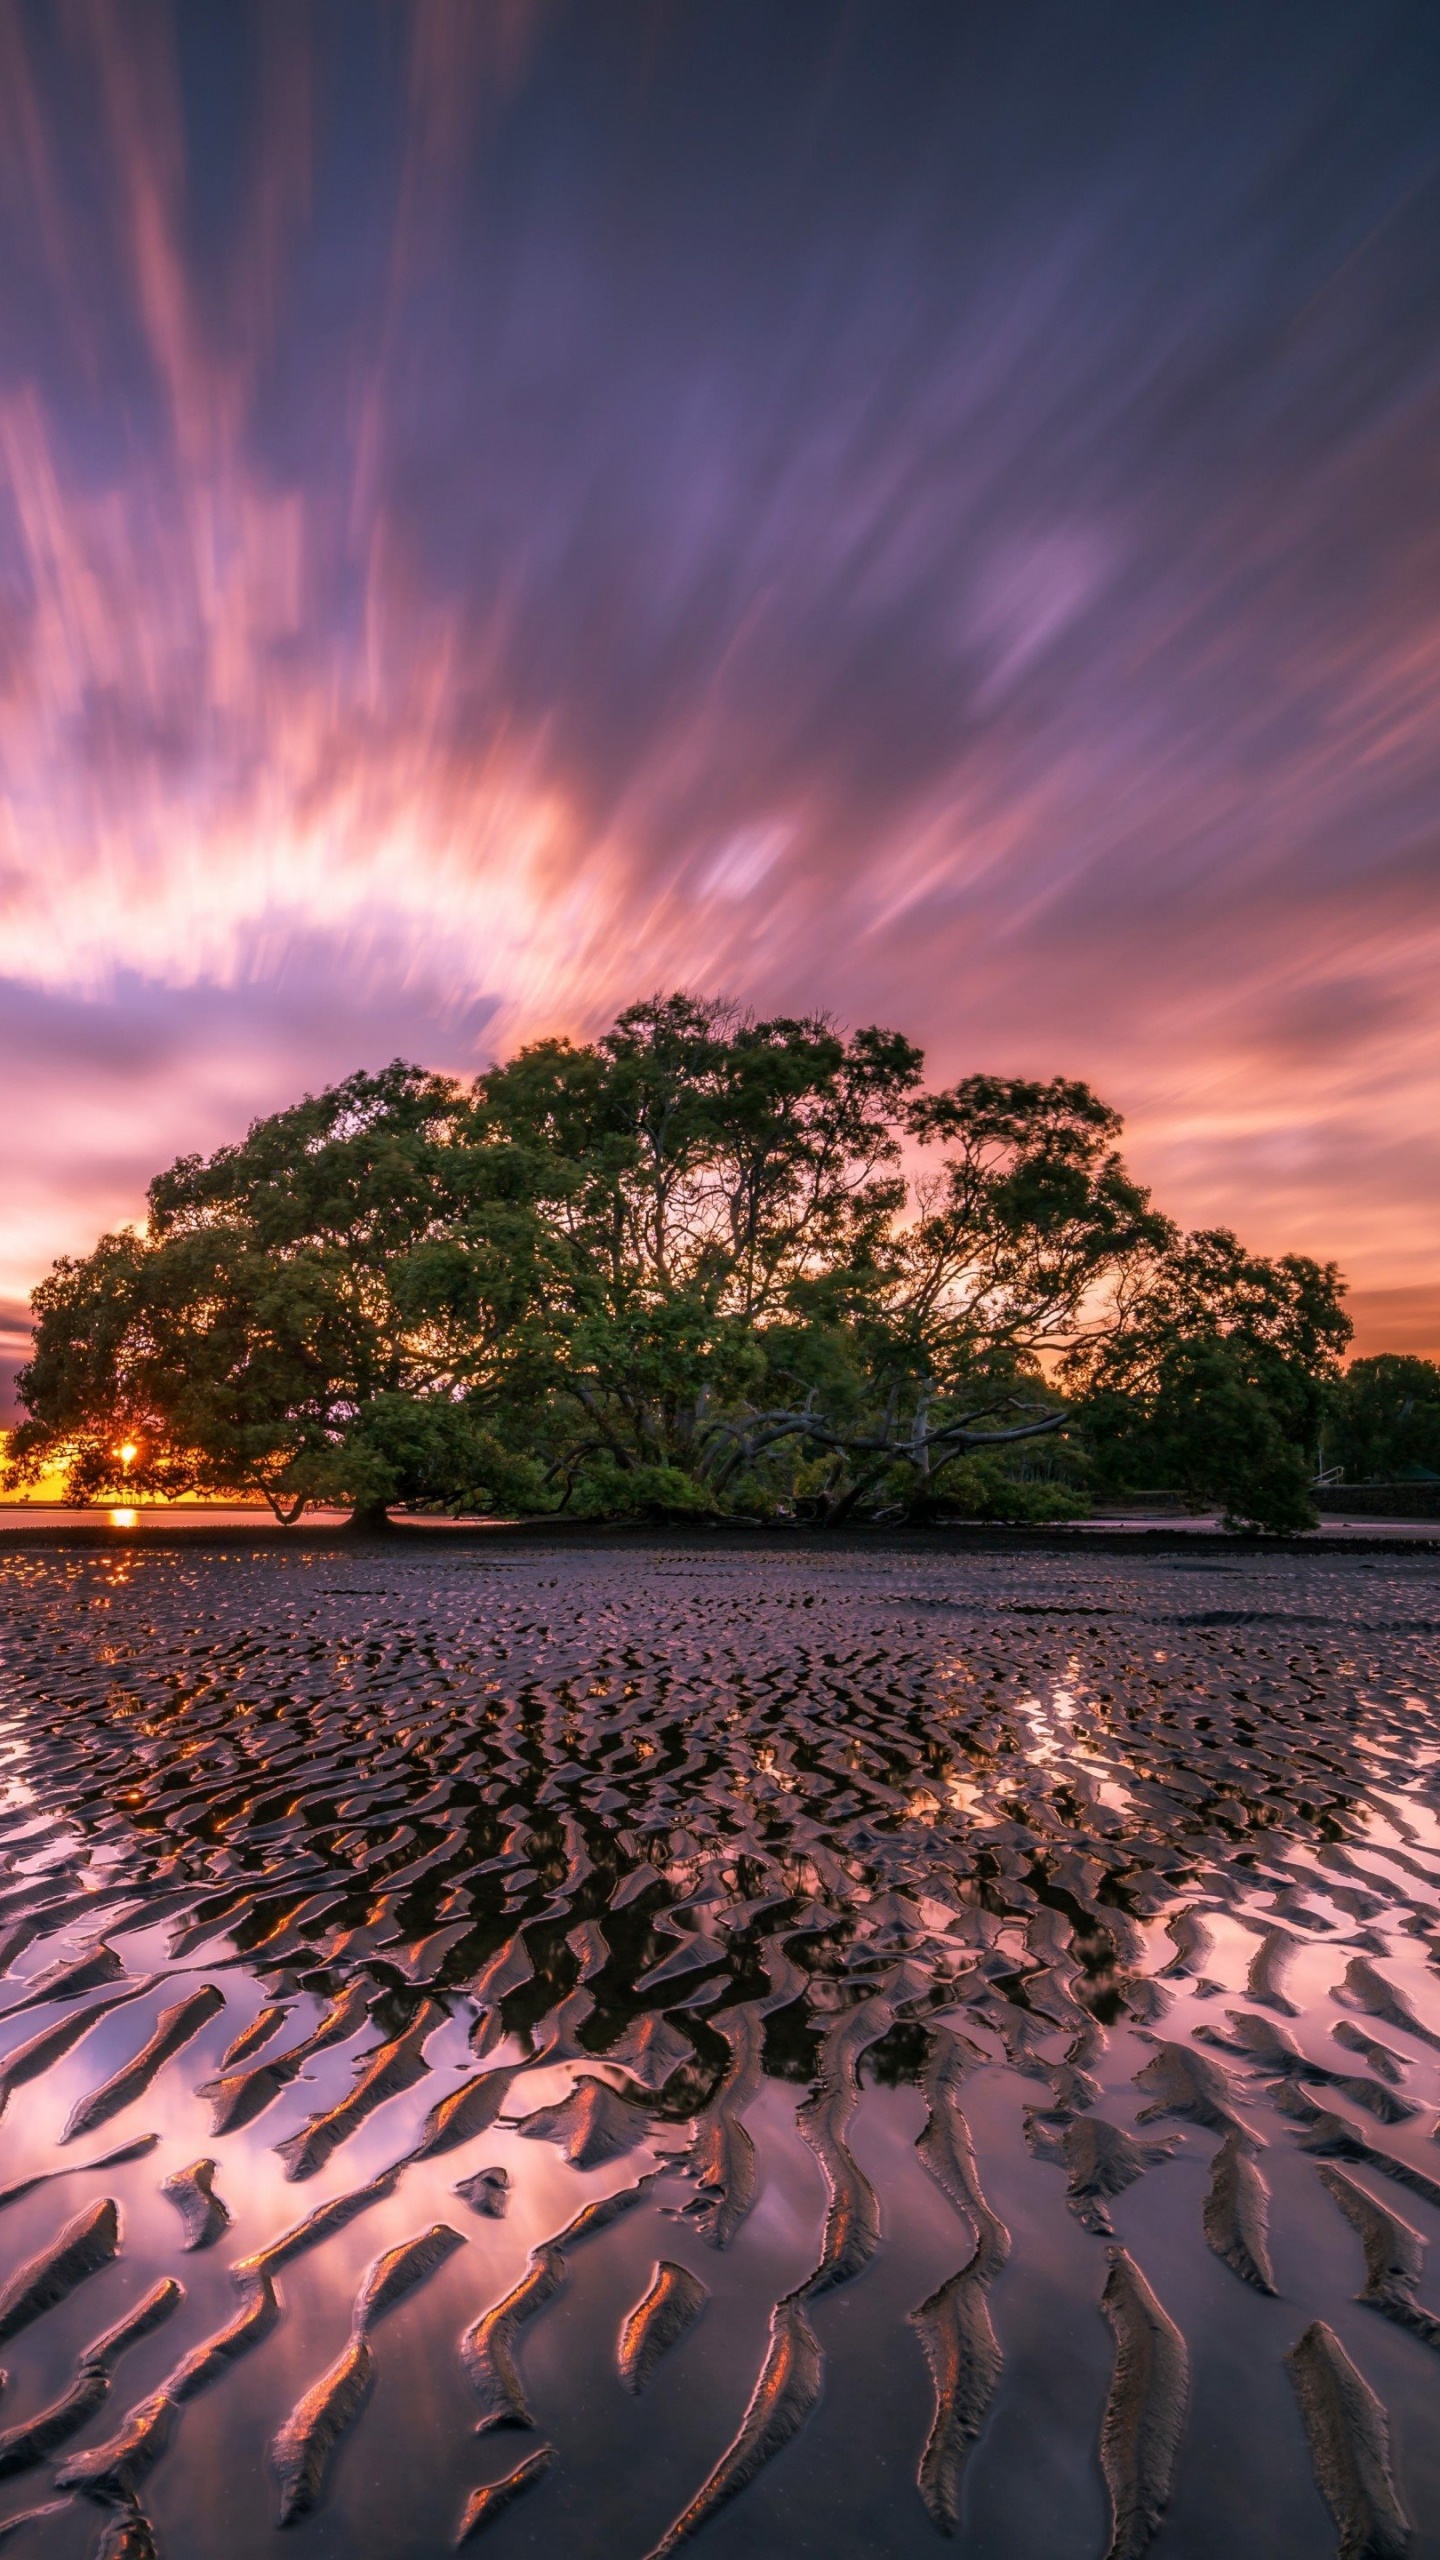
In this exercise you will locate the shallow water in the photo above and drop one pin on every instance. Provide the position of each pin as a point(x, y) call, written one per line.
point(919, 1869)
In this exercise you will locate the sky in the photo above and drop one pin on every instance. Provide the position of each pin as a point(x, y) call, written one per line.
point(925, 512)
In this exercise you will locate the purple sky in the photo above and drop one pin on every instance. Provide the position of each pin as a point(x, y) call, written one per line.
point(928, 511)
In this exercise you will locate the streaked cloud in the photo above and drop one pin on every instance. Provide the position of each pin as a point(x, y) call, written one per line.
point(504, 508)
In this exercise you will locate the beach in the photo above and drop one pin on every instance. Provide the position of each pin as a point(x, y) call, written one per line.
point(599, 2047)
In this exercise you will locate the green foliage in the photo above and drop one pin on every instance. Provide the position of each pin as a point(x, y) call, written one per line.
point(1383, 1422)
point(319, 1314)
point(604, 1490)
point(1221, 1439)
point(1216, 1381)
point(675, 1273)
point(980, 1487)
point(1031, 1217)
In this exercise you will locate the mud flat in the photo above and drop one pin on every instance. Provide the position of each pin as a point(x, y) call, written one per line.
point(626, 2049)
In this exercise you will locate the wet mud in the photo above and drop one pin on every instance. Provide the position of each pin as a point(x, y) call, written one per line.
point(871, 2053)
point(671, 2305)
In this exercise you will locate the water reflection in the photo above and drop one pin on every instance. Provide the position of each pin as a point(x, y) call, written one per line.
point(836, 1922)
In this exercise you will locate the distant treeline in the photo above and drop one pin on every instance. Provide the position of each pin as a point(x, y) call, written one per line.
point(708, 1265)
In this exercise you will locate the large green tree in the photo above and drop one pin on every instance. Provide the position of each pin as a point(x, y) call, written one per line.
point(705, 1262)
point(711, 1174)
point(930, 1344)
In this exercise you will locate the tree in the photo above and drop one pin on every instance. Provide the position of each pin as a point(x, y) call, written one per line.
point(694, 1150)
point(685, 1268)
point(1383, 1421)
point(1019, 1247)
point(1215, 1380)
point(754, 1283)
point(317, 1314)
point(707, 1170)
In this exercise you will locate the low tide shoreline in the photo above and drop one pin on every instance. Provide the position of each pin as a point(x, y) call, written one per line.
point(23, 1527)
point(629, 2039)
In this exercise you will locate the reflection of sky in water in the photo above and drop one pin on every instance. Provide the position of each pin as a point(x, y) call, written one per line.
point(1022, 1742)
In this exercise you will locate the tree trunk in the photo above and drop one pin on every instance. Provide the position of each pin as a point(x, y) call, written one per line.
point(838, 1507)
point(369, 1519)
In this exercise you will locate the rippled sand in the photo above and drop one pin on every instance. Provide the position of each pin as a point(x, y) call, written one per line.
point(804, 2053)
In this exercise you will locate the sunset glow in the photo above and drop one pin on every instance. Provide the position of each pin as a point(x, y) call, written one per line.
point(499, 512)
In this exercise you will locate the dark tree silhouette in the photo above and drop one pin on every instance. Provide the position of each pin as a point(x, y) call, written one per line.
point(689, 1268)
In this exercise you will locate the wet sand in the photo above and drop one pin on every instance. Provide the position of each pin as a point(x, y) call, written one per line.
point(610, 2050)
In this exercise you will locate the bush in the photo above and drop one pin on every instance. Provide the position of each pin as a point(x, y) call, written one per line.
point(604, 1490)
point(1226, 1443)
point(978, 1488)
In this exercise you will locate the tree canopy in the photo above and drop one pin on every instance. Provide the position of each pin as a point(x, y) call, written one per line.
point(705, 1264)
point(1383, 1422)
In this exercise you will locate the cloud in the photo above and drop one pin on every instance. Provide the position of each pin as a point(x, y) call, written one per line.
point(743, 861)
point(1031, 592)
point(1406, 1320)
point(501, 509)
point(101, 1093)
